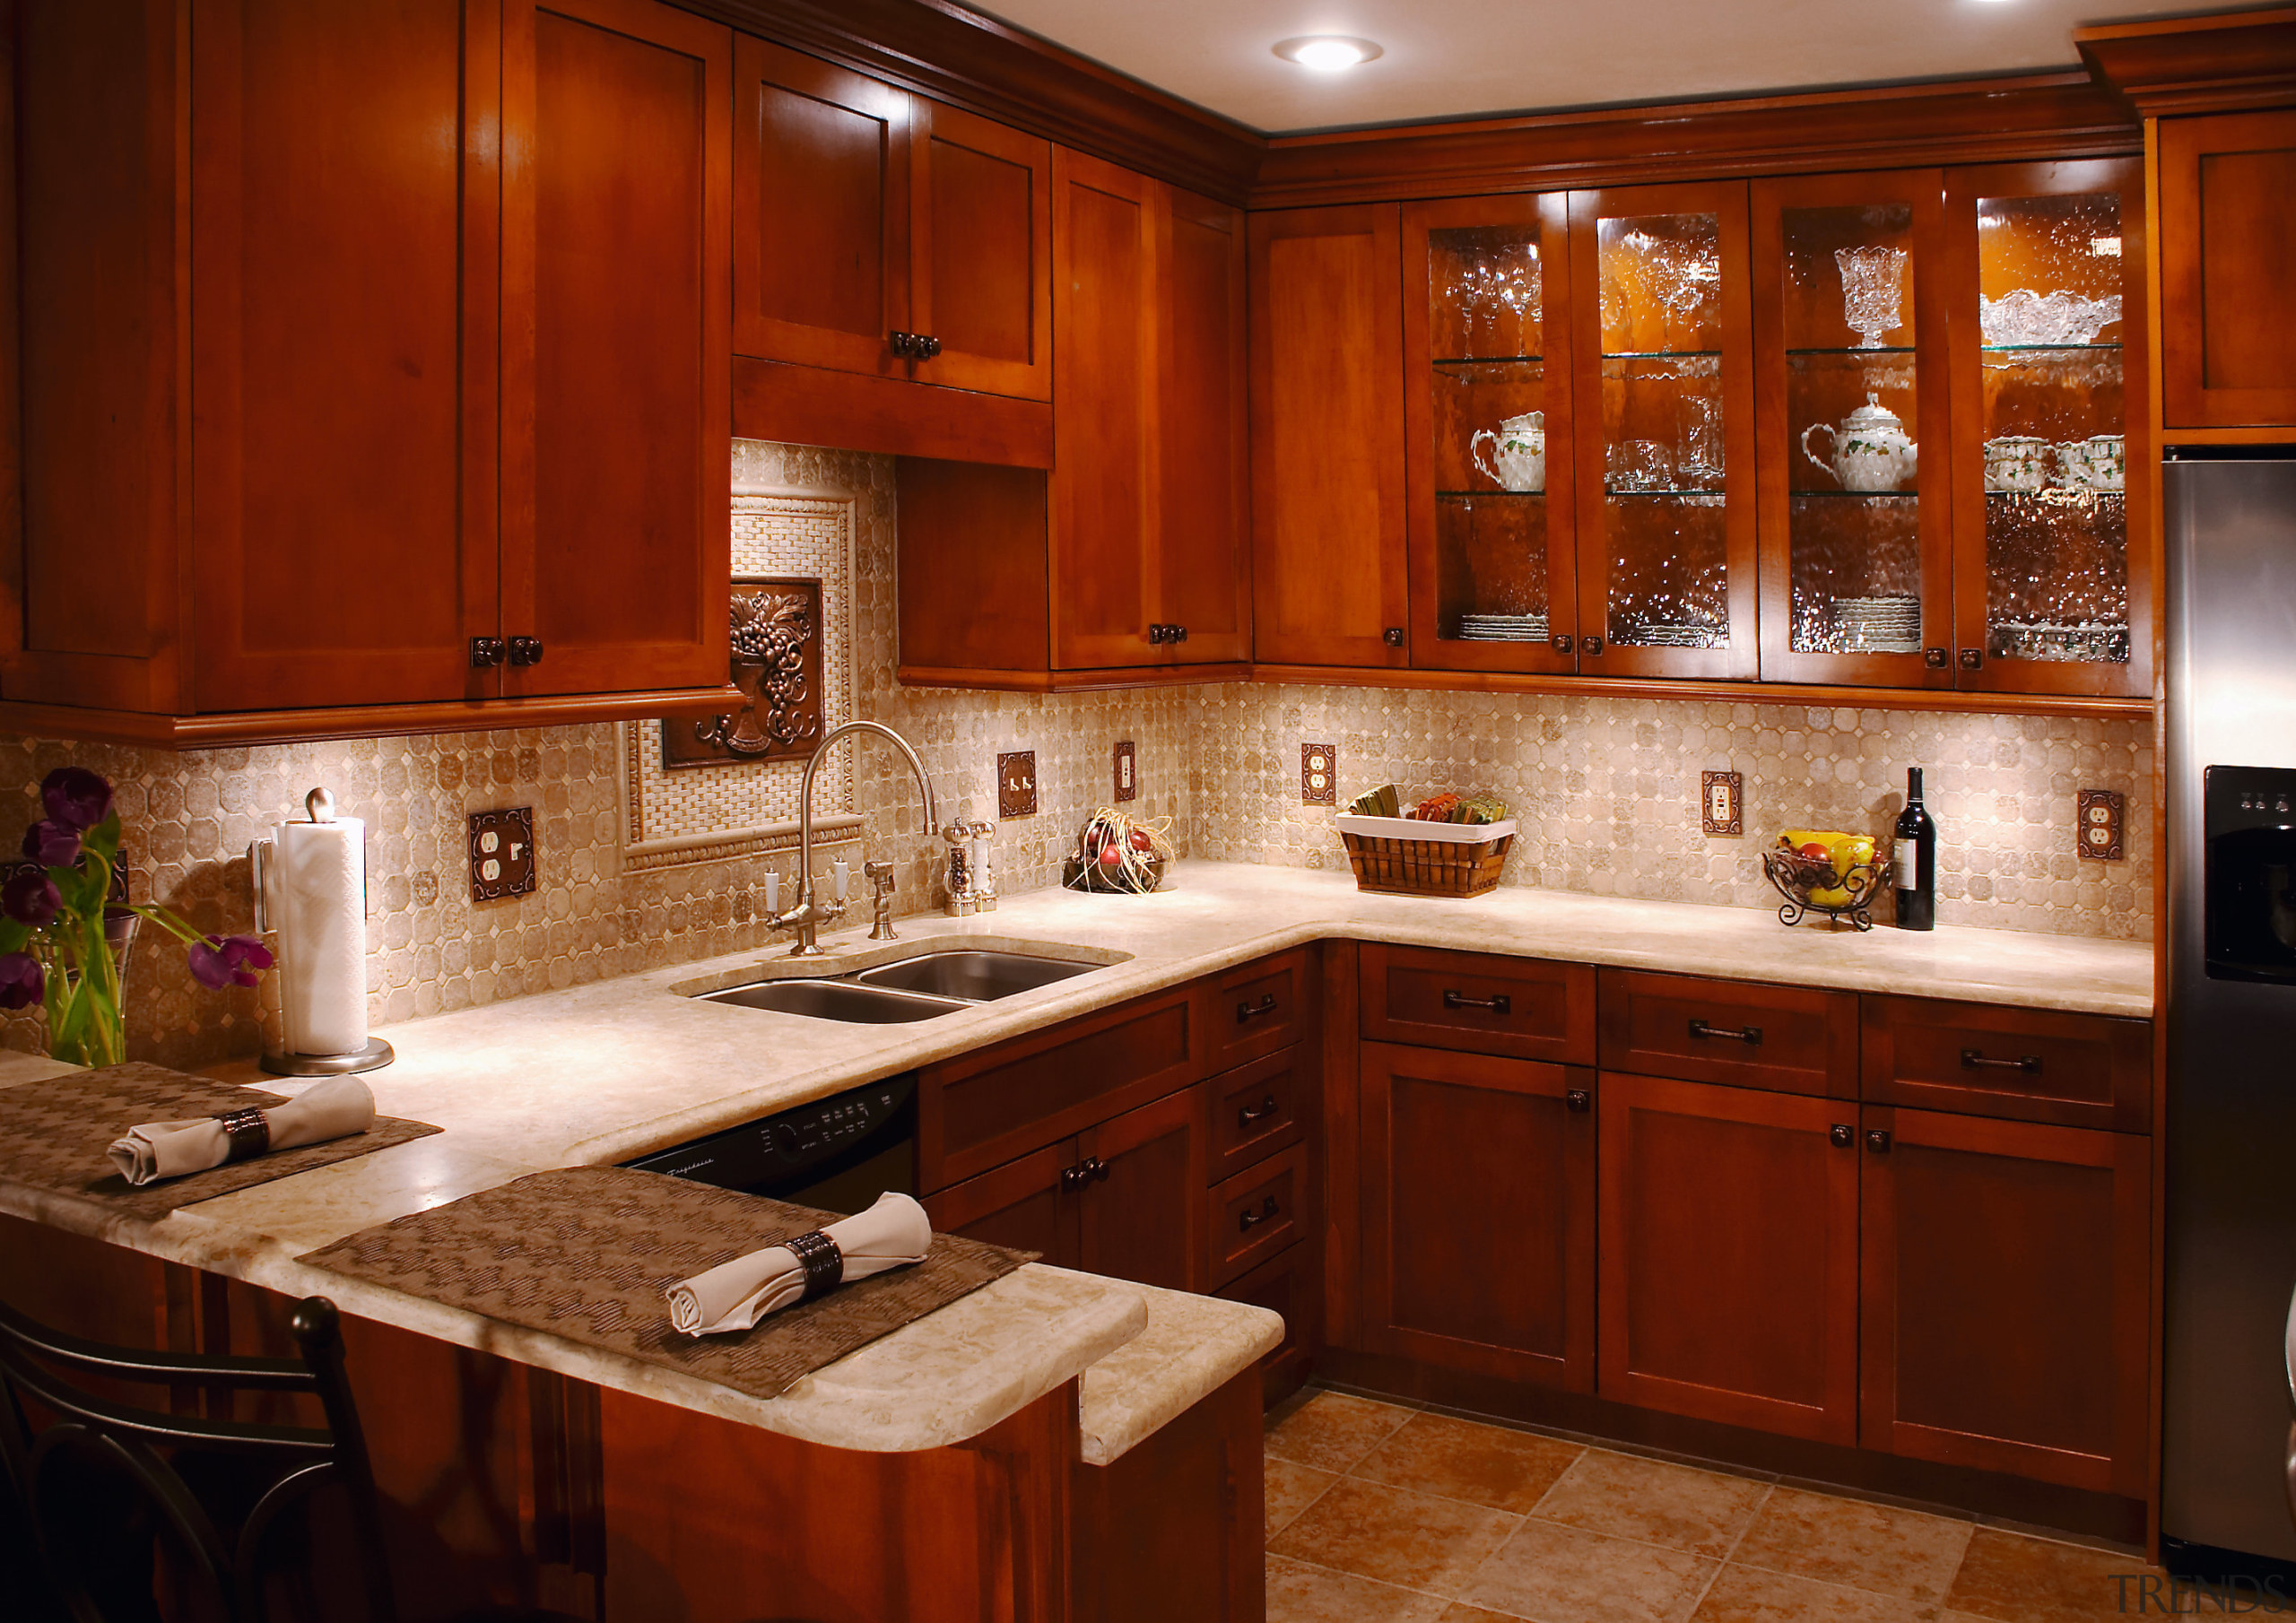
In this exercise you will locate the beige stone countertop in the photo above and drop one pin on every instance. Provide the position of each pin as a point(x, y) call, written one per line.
point(607, 1071)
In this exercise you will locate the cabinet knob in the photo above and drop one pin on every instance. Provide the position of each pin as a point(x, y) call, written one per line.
point(486, 652)
point(904, 344)
point(1842, 1134)
point(1156, 636)
point(1180, 633)
point(1091, 1169)
point(1972, 659)
point(1878, 1142)
point(1561, 644)
point(526, 650)
point(928, 346)
point(1392, 636)
point(1591, 646)
point(1935, 659)
point(1578, 1099)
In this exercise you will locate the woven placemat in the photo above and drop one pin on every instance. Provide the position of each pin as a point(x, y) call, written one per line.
point(54, 1133)
point(588, 1253)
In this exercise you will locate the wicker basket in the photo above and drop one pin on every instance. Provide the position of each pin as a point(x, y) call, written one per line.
point(1403, 856)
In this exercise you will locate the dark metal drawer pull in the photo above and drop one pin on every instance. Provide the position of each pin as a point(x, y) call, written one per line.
point(1973, 1060)
point(1248, 1220)
point(1260, 1112)
point(1252, 1011)
point(1498, 1003)
point(1751, 1035)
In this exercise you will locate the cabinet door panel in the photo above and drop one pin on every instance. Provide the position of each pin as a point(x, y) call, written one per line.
point(1202, 573)
point(820, 211)
point(1328, 567)
point(2228, 323)
point(1459, 1149)
point(1494, 575)
point(1104, 412)
point(2052, 447)
point(1018, 1205)
point(981, 252)
point(1141, 1217)
point(339, 563)
point(2007, 1271)
point(1729, 1256)
point(616, 537)
point(1665, 430)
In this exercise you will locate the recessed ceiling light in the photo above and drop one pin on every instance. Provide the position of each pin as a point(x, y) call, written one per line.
point(1327, 53)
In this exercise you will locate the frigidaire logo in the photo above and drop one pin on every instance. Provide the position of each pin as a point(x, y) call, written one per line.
point(2155, 1594)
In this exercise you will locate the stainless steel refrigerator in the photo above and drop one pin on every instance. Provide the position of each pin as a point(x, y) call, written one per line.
point(2231, 1019)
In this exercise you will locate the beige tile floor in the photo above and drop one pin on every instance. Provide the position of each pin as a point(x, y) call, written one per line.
point(1382, 1514)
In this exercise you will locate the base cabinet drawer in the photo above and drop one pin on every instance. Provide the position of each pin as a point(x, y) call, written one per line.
point(1478, 1212)
point(1729, 1256)
point(1258, 1212)
point(1792, 1039)
point(2024, 1064)
point(1480, 1002)
point(1260, 1008)
point(1259, 1109)
point(1292, 1284)
point(2006, 1284)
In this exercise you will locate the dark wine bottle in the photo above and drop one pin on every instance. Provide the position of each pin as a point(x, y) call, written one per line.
point(1913, 860)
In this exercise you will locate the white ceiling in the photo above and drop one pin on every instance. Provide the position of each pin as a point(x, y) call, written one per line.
point(1447, 57)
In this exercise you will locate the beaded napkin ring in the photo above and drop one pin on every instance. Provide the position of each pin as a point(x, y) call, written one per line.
point(823, 1263)
point(249, 1132)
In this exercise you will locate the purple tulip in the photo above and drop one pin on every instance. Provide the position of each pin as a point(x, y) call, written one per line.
point(51, 845)
point(76, 797)
point(30, 898)
point(229, 960)
point(20, 980)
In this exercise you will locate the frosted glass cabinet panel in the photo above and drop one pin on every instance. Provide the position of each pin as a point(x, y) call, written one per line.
point(1852, 418)
point(1665, 444)
point(1488, 375)
point(2049, 385)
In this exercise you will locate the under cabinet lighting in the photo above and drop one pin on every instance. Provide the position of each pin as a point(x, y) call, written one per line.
point(2105, 247)
point(1327, 53)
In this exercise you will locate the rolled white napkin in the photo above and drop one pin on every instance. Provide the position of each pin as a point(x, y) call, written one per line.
point(329, 1109)
point(735, 1296)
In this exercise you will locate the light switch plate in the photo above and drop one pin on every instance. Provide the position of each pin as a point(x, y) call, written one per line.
point(1127, 778)
point(1318, 775)
point(2101, 813)
point(1722, 803)
point(501, 854)
point(1016, 785)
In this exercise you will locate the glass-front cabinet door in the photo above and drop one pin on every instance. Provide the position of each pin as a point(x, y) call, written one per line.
point(1486, 347)
point(1663, 339)
point(1852, 428)
point(2049, 391)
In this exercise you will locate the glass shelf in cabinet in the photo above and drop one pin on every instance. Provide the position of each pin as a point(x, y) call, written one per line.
point(1669, 495)
point(1851, 349)
point(1661, 354)
point(1486, 361)
point(1857, 495)
point(1493, 494)
point(2047, 349)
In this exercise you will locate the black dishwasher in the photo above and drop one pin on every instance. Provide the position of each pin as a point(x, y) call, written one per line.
point(836, 1154)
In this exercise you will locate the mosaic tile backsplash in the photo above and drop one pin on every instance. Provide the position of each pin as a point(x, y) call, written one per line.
point(1607, 789)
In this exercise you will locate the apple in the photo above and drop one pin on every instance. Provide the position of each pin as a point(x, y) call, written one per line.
point(1111, 856)
point(1812, 849)
point(1141, 842)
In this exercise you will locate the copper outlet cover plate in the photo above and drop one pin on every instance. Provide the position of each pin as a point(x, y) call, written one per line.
point(1318, 775)
point(2100, 819)
point(501, 854)
point(1722, 803)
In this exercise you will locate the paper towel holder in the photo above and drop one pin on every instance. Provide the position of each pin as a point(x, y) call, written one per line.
point(318, 805)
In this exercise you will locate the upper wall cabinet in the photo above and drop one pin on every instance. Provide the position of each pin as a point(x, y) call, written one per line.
point(2228, 237)
point(880, 233)
point(411, 423)
point(1329, 571)
point(1125, 564)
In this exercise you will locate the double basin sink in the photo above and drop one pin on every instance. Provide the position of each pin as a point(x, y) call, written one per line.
point(920, 988)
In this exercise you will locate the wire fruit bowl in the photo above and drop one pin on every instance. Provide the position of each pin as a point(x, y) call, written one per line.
point(1804, 881)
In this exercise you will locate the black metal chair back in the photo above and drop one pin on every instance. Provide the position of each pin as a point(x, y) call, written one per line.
point(103, 1485)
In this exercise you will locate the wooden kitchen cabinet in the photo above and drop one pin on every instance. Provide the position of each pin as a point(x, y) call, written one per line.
point(1850, 392)
point(862, 212)
point(1663, 347)
point(2052, 448)
point(1729, 1256)
point(1483, 1003)
point(1477, 1197)
point(2228, 319)
point(1494, 543)
point(381, 404)
point(2007, 1296)
point(1126, 561)
point(1794, 1040)
point(1329, 576)
point(2022, 1064)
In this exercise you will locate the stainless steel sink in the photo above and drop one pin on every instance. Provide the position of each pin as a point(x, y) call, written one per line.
point(838, 1001)
point(976, 975)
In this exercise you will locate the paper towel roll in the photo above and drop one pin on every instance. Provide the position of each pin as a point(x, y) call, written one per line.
point(319, 879)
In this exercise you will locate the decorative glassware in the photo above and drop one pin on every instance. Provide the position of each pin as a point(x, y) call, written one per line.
point(1872, 303)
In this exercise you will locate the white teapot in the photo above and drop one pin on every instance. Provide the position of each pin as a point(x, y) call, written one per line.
point(1870, 451)
point(1519, 462)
